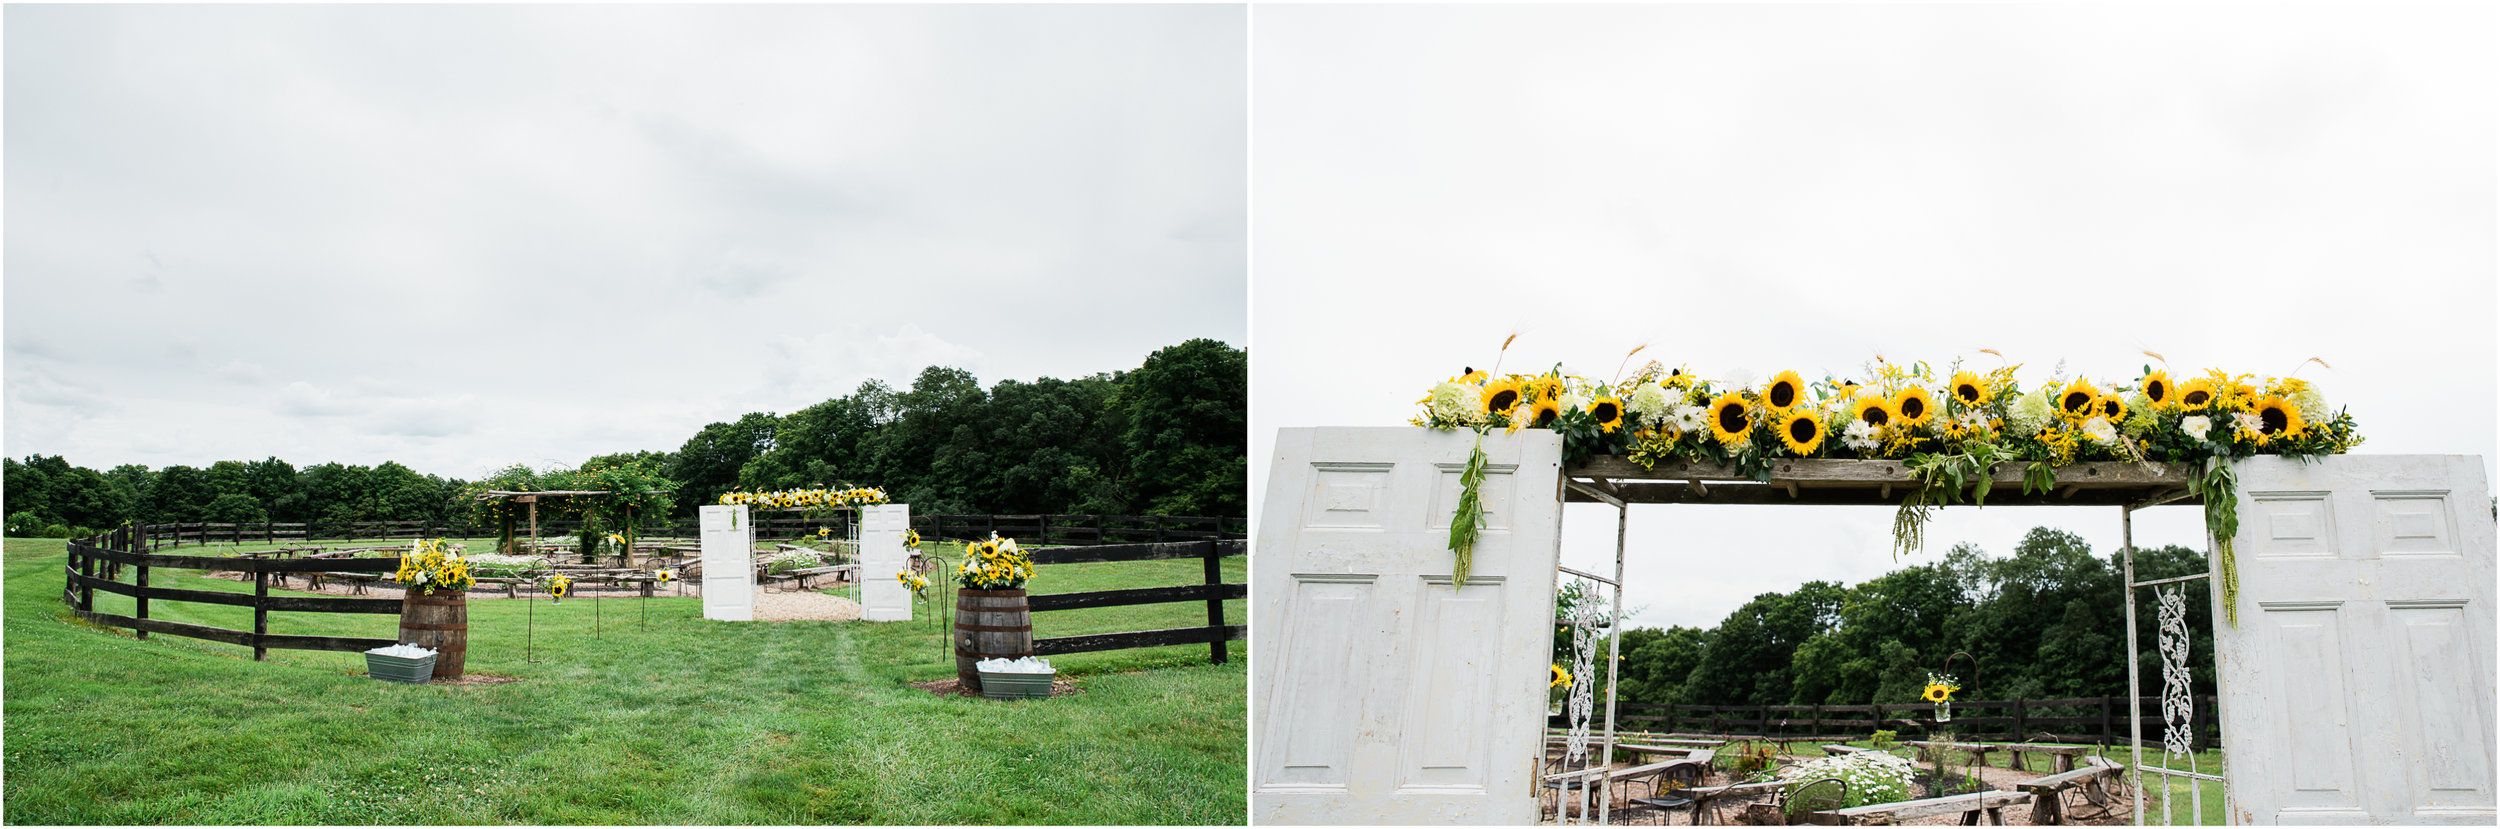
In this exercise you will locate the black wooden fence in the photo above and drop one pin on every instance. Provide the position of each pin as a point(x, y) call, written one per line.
point(1213, 591)
point(1028, 530)
point(2101, 720)
point(96, 562)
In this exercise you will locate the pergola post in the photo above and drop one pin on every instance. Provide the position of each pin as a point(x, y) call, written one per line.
point(2135, 695)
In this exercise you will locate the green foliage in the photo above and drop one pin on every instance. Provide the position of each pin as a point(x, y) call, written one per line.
point(1470, 518)
point(236, 507)
point(1750, 758)
point(1941, 477)
point(1885, 739)
point(24, 524)
point(1188, 407)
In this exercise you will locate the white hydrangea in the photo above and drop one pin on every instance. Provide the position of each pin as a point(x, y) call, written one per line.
point(1649, 405)
point(1573, 401)
point(1455, 401)
point(2031, 413)
point(2196, 425)
point(2312, 405)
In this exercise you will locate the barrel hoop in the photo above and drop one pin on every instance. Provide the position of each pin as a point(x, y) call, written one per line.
point(430, 626)
point(995, 628)
point(962, 652)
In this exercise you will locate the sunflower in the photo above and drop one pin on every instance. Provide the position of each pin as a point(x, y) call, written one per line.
point(1968, 388)
point(1872, 410)
point(2157, 388)
point(2196, 393)
point(1784, 392)
point(2281, 419)
point(1938, 692)
point(2109, 406)
point(1608, 412)
point(1502, 396)
point(1561, 680)
point(665, 575)
point(1729, 419)
point(1914, 406)
point(1543, 413)
point(2076, 400)
point(1802, 432)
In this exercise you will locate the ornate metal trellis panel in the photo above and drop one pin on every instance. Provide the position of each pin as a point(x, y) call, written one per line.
point(2178, 704)
point(1588, 742)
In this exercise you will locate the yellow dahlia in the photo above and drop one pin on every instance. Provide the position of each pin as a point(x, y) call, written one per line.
point(1729, 419)
point(1784, 392)
point(1914, 405)
point(1802, 432)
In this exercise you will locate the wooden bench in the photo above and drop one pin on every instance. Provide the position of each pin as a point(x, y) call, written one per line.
point(1970, 805)
point(1690, 768)
point(1705, 799)
point(2064, 756)
point(2047, 793)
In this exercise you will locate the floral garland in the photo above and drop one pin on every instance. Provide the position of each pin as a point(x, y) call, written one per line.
point(806, 498)
point(1949, 424)
point(432, 565)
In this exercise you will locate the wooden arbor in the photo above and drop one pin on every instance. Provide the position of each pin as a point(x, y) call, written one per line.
point(531, 499)
point(1619, 482)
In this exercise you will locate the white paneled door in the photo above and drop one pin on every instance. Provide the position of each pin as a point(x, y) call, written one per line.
point(881, 555)
point(1394, 695)
point(2358, 685)
point(728, 563)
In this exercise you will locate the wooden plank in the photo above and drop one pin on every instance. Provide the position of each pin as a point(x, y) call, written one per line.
point(1134, 639)
point(332, 604)
point(1908, 809)
point(213, 634)
point(1137, 596)
point(1873, 473)
point(325, 643)
point(167, 593)
point(1822, 495)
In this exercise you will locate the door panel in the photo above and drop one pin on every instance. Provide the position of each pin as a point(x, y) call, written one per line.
point(1393, 695)
point(728, 563)
point(881, 555)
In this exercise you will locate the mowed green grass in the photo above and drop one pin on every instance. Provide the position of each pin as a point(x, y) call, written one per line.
point(675, 721)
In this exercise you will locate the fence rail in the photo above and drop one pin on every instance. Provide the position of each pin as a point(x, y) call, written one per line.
point(1030, 530)
point(95, 563)
point(1214, 591)
point(2101, 720)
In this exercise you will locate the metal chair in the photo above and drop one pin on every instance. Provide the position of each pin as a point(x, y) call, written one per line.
point(1815, 796)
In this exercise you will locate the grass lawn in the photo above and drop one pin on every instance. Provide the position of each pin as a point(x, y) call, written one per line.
point(677, 721)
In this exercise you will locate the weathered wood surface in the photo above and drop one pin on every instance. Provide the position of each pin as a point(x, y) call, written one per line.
point(990, 624)
point(1138, 552)
point(1876, 813)
point(1873, 472)
point(1868, 483)
point(2048, 806)
point(238, 564)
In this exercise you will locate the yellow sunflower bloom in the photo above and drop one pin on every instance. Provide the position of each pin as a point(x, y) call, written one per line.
point(1730, 418)
point(1802, 432)
point(2281, 419)
point(2196, 393)
point(1502, 396)
point(1540, 414)
point(1873, 410)
point(1938, 692)
point(1968, 388)
point(1784, 392)
point(2157, 388)
point(1608, 412)
point(2076, 400)
point(1561, 680)
point(2109, 406)
point(1914, 406)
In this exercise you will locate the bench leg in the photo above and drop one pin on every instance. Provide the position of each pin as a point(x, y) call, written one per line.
point(2065, 763)
point(2045, 809)
point(1996, 816)
point(1970, 818)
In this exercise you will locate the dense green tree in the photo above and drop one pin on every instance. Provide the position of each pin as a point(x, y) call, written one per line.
point(181, 494)
point(708, 463)
point(1188, 440)
point(236, 507)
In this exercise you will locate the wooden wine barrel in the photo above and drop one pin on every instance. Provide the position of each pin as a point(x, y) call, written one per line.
point(438, 619)
point(990, 624)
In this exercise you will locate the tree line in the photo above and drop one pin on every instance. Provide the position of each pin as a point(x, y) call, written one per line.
point(2047, 622)
point(1166, 438)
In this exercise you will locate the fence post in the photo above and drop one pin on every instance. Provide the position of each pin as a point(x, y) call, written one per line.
point(1816, 724)
point(260, 612)
point(1158, 522)
point(1042, 534)
point(2018, 721)
point(2105, 731)
point(1215, 605)
point(142, 581)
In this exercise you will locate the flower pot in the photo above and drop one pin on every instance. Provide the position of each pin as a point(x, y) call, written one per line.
point(415, 670)
point(990, 624)
point(1001, 685)
point(438, 619)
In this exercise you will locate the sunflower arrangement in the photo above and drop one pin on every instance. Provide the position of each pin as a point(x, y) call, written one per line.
point(911, 539)
point(995, 564)
point(1939, 690)
point(432, 565)
point(916, 583)
point(1561, 678)
point(807, 498)
point(664, 575)
point(556, 587)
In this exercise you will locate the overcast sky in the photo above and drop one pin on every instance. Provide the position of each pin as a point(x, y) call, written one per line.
point(464, 236)
point(1804, 186)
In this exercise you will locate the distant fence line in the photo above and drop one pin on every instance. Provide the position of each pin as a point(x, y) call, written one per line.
point(2101, 720)
point(1025, 529)
point(95, 563)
